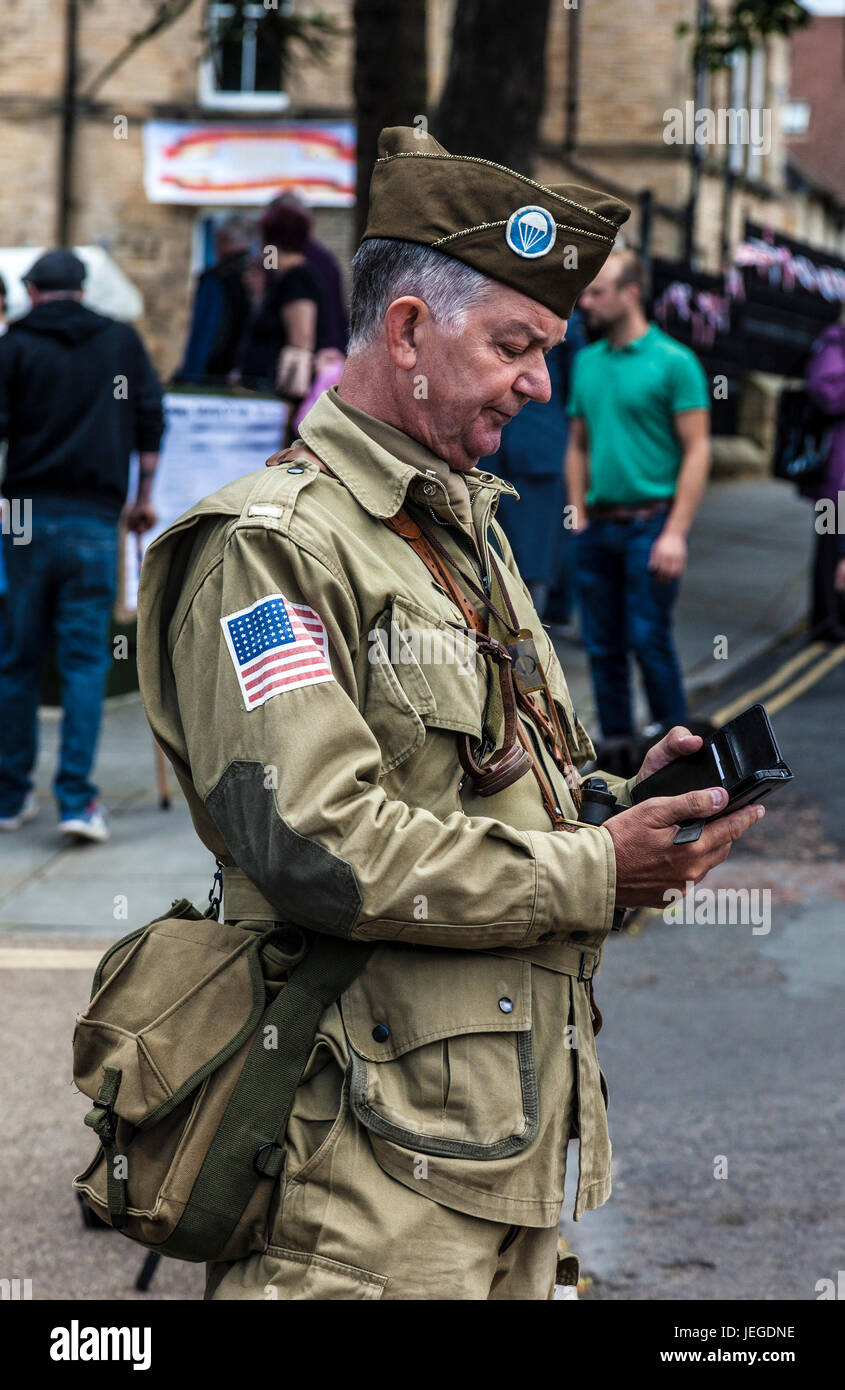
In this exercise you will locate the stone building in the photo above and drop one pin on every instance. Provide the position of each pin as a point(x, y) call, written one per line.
point(617, 72)
point(165, 79)
point(72, 156)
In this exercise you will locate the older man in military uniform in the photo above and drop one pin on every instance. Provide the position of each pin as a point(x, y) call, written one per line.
point(376, 739)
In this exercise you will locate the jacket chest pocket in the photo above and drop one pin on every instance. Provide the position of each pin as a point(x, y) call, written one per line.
point(423, 674)
point(441, 1052)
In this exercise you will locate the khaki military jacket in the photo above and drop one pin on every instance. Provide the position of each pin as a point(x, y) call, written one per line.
point(328, 783)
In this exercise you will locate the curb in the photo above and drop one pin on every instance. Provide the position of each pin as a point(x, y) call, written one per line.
point(704, 684)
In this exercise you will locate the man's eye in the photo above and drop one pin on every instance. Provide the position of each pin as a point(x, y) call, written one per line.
point(511, 351)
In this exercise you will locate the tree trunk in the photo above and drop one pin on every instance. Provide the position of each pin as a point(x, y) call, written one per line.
point(493, 95)
point(391, 78)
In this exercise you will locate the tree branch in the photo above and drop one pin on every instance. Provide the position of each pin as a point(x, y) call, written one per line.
point(166, 14)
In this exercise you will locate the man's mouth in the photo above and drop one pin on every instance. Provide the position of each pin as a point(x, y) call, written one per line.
point(503, 415)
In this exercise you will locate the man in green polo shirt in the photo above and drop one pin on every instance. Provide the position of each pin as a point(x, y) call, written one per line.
point(636, 468)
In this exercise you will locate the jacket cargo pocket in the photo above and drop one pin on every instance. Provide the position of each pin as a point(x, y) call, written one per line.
point(424, 674)
point(440, 1070)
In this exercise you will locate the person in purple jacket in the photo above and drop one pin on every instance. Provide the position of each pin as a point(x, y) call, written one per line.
point(825, 381)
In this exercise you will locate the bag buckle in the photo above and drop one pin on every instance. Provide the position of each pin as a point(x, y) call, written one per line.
point(104, 1124)
point(268, 1165)
point(215, 894)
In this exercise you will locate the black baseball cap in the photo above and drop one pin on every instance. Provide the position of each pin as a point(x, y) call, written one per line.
point(56, 270)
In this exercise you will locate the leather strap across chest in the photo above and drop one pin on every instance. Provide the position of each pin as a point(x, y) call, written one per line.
point(516, 755)
point(410, 531)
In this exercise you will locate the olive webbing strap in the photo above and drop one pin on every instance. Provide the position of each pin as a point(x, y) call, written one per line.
point(247, 1144)
point(101, 1118)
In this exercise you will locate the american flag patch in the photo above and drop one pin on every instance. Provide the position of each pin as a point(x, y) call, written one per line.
point(276, 645)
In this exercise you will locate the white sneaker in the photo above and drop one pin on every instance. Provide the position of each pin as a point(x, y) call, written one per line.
point(28, 811)
point(89, 824)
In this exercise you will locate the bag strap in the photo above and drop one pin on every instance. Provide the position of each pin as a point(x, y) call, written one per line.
point(248, 1144)
point(516, 756)
point(412, 532)
point(102, 1119)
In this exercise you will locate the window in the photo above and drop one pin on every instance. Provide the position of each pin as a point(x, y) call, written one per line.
point(751, 140)
point(795, 117)
point(243, 68)
point(757, 112)
point(739, 89)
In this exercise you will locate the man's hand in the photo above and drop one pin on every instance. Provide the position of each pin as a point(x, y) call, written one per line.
point(668, 556)
point(648, 864)
point(140, 517)
point(678, 742)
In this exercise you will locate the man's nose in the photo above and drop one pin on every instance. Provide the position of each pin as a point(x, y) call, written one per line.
point(535, 382)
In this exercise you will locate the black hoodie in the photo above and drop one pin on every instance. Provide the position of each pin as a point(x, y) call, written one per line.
point(77, 394)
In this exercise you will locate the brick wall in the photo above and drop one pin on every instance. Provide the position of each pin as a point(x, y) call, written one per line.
point(151, 242)
point(633, 66)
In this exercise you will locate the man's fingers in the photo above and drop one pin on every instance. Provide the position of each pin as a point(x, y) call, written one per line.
point(716, 841)
point(672, 810)
point(729, 828)
point(679, 741)
point(675, 744)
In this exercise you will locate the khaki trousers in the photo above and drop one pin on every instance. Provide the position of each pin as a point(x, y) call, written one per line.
point(344, 1229)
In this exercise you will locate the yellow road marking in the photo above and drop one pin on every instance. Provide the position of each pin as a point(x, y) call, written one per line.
point(810, 678)
point(803, 658)
point(48, 958)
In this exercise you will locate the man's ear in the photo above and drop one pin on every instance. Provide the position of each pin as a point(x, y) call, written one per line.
point(403, 322)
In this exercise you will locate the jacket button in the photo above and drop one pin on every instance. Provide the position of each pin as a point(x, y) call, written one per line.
point(296, 470)
point(506, 1006)
point(429, 489)
point(580, 935)
point(381, 1033)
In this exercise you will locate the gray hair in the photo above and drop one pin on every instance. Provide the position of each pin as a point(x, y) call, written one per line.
point(237, 227)
point(385, 268)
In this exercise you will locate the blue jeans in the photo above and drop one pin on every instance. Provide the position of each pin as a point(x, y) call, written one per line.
point(62, 585)
point(626, 609)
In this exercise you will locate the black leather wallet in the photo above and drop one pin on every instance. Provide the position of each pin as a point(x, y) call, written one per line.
point(743, 757)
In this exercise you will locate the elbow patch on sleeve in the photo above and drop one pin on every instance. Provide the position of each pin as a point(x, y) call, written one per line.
point(310, 886)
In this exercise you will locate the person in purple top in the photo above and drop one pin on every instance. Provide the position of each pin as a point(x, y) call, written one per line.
point(825, 381)
point(335, 320)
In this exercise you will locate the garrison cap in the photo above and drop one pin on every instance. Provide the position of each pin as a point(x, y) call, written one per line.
point(548, 243)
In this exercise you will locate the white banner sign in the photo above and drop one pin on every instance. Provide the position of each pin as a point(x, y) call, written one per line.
point(209, 441)
point(249, 162)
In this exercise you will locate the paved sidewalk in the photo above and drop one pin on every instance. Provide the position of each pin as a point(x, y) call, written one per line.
point(52, 890)
point(746, 580)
